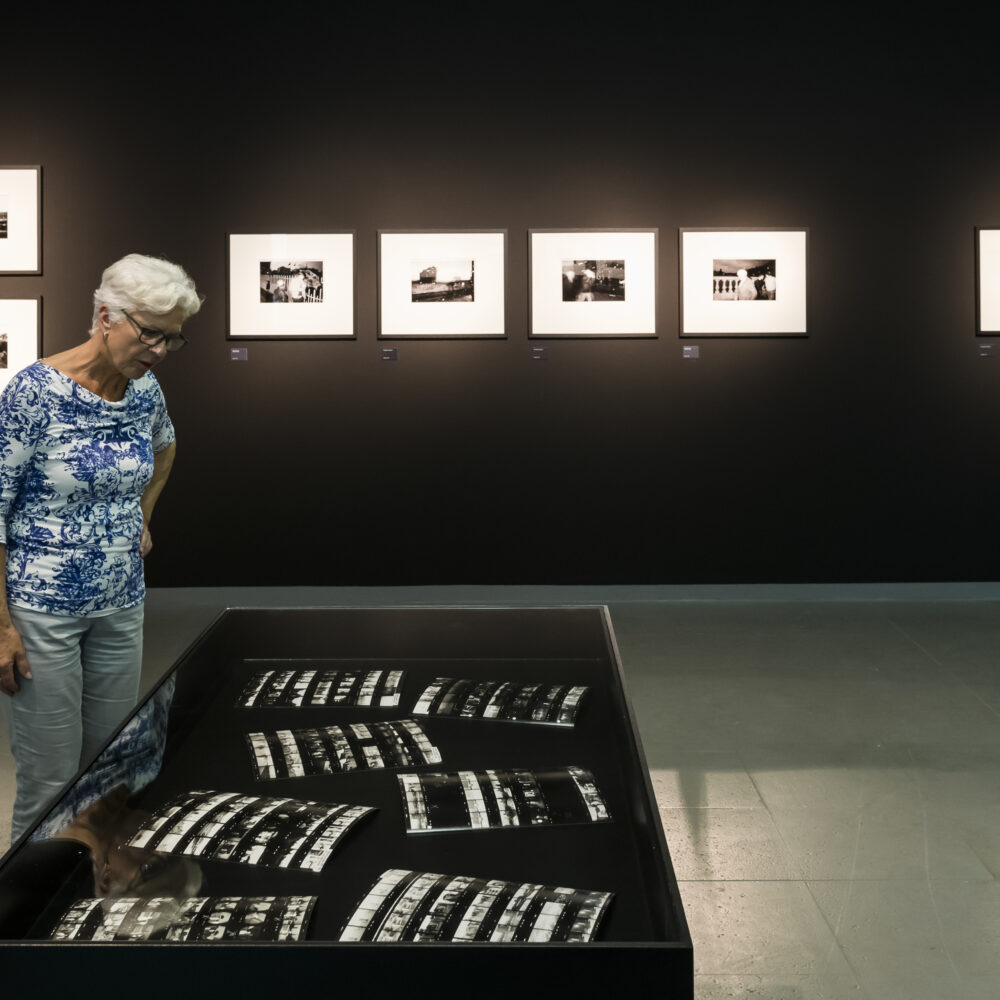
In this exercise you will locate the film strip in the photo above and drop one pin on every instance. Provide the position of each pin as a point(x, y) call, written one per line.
point(298, 753)
point(491, 799)
point(423, 906)
point(195, 918)
point(249, 829)
point(293, 688)
point(553, 705)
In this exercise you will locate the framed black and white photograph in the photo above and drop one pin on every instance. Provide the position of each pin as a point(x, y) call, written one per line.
point(20, 220)
point(433, 283)
point(592, 282)
point(20, 336)
point(743, 282)
point(291, 286)
point(987, 282)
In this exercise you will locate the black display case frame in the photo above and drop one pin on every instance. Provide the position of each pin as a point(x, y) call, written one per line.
point(644, 939)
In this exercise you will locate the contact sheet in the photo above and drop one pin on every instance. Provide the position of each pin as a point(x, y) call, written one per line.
point(303, 688)
point(483, 800)
point(422, 906)
point(505, 701)
point(249, 829)
point(194, 918)
point(297, 753)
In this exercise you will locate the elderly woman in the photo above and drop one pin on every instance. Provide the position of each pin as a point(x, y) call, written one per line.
point(86, 446)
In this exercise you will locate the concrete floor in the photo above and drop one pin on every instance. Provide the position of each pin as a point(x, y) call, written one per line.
point(826, 762)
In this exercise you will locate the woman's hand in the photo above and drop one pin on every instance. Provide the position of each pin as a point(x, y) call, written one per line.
point(13, 660)
point(145, 541)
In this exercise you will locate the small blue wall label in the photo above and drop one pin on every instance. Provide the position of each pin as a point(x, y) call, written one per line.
point(388, 353)
point(237, 354)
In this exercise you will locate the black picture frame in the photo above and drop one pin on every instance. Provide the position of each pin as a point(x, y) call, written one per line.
point(392, 313)
point(546, 311)
point(25, 206)
point(709, 322)
point(305, 240)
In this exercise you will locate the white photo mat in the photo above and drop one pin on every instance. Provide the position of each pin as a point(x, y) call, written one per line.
point(703, 315)
point(249, 317)
point(988, 280)
point(634, 316)
point(19, 199)
point(19, 324)
point(399, 254)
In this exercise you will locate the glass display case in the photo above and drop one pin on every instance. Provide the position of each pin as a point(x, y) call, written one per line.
point(361, 799)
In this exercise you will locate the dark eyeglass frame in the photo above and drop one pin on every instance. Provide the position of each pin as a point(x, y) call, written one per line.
point(174, 341)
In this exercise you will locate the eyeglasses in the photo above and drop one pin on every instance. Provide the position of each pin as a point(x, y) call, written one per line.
point(174, 341)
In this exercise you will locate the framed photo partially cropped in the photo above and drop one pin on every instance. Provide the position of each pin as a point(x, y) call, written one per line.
point(20, 336)
point(436, 283)
point(20, 220)
point(987, 282)
point(743, 282)
point(291, 286)
point(592, 282)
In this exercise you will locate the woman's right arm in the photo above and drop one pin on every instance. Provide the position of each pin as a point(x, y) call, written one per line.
point(13, 660)
point(22, 420)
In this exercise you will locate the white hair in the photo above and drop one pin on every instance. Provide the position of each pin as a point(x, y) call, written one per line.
point(150, 285)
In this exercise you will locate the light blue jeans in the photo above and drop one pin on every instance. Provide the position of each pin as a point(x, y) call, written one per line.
point(85, 679)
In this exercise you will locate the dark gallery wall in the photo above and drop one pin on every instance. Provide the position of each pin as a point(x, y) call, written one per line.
point(865, 451)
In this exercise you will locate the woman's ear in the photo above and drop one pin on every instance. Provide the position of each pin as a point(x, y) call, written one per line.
point(102, 877)
point(103, 320)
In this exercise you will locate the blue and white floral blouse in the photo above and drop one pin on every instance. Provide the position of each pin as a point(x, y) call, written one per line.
point(73, 468)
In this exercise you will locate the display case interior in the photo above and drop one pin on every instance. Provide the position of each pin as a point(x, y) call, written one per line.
point(269, 788)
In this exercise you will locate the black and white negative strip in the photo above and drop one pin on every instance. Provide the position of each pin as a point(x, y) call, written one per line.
point(299, 753)
point(484, 800)
point(284, 687)
point(552, 705)
point(249, 829)
point(194, 918)
point(422, 906)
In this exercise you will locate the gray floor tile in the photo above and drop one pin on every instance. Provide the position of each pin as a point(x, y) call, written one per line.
point(786, 987)
point(699, 780)
point(724, 844)
point(760, 929)
point(895, 936)
point(888, 839)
